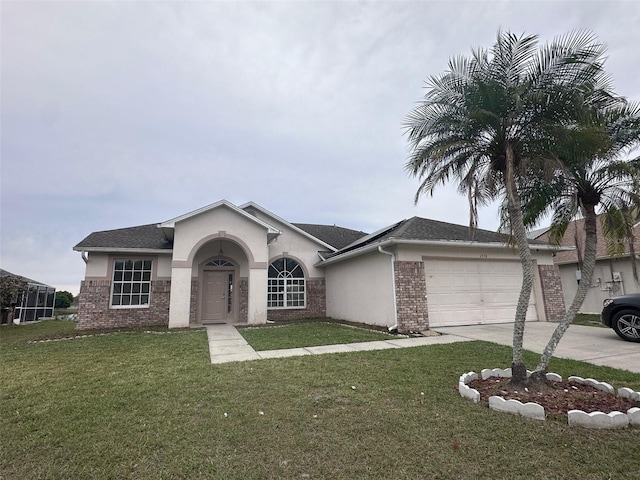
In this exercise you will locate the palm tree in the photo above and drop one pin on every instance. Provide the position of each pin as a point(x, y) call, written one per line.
point(589, 175)
point(490, 115)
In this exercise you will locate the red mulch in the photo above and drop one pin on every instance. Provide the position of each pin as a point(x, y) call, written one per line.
point(555, 397)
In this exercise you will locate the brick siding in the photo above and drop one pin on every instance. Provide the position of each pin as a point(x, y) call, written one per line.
point(94, 311)
point(316, 304)
point(411, 297)
point(243, 291)
point(554, 307)
point(193, 303)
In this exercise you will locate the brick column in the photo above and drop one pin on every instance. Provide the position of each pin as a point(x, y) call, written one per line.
point(243, 292)
point(193, 308)
point(554, 307)
point(411, 296)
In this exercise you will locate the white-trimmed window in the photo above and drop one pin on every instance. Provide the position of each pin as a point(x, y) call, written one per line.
point(131, 283)
point(286, 286)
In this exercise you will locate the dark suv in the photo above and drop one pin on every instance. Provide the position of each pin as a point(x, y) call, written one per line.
point(623, 315)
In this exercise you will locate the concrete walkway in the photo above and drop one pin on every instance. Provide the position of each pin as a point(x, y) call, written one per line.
point(227, 345)
point(600, 346)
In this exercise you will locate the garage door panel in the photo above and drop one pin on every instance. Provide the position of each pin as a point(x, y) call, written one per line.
point(457, 300)
point(472, 291)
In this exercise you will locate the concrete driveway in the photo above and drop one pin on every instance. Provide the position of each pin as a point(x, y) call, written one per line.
point(600, 346)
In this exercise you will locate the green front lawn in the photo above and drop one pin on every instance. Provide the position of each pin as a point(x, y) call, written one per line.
point(308, 334)
point(137, 405)
point(588, 319)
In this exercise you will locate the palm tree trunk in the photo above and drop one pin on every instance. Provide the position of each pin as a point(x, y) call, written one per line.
point(518, 368)
point(588, 264)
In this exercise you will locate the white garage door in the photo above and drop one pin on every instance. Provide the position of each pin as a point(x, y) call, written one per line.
point(470, 292)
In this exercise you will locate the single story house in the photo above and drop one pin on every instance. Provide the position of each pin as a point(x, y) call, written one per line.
point(612, 275)
point(244, 264)
point(36, 301)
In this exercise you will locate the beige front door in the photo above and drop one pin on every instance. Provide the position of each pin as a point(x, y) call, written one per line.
point(215, 296)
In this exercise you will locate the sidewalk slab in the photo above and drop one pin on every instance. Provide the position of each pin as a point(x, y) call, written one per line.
point(230, 350)
point(234, 357)
point(412, 342)
point(283, 353)
point(338, 348)
point(228, 342)
point(369, 346)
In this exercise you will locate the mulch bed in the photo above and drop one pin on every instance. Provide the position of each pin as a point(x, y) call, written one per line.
point(555, 397)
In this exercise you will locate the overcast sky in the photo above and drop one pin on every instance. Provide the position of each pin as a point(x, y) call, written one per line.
point(122, 113)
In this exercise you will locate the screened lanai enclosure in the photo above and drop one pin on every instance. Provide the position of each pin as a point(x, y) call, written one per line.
point(32, 302)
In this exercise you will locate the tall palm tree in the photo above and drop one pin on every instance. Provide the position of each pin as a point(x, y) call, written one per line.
point(590, 174)
point(490, 115)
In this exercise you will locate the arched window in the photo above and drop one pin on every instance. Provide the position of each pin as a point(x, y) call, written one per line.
point(286, 284)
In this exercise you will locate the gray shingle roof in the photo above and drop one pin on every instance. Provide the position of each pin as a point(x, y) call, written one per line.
point(344, 239)
point(143, 237)
point(337, 237)
point(152, 237)
point(417, 228)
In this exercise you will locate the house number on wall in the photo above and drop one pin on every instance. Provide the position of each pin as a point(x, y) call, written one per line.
point(483, 255)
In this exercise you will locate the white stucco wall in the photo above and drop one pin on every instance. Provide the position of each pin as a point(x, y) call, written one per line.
point(179, 302)
point(163, 270)
point(361, 290)
point(602, 286)
point(97, 266)
point(191, 231)
point(100, 265)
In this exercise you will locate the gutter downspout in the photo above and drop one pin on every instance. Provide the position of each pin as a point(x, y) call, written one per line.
point(83, 254)
point(393, 281)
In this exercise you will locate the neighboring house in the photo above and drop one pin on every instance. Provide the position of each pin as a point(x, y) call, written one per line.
point(613, 274)
point(35, 302)
point(244, 264)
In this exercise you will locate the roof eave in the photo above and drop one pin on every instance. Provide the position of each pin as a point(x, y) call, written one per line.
point(598, 259)
point(123, 250)
point(456, 243)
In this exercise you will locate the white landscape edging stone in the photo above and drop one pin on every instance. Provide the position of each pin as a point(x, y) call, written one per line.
point(536, 411)
point(529, 409)
point(597, 419)
point(466, 391)
point(604, 386)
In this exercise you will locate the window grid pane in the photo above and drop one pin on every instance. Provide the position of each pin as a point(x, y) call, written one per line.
point(131, 282)
point(286, 284)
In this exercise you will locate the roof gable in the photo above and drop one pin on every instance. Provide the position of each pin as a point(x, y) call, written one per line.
point(221, 204)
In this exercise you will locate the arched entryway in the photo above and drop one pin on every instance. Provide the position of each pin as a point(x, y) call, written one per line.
point(219, 283)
